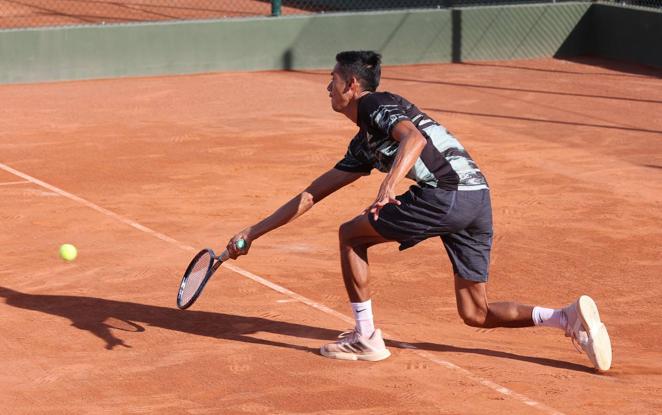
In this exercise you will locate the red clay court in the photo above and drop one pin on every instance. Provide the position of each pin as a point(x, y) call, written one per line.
point(140, 173)
point(35, 13)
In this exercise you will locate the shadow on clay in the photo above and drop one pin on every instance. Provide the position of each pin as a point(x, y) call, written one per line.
point(105, 318)
point(543, 120)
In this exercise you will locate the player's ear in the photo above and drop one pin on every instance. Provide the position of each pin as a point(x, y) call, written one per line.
point(349, 84)
point(355, 84)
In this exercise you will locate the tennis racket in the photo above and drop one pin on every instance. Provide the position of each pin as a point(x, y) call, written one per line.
point(199, 271)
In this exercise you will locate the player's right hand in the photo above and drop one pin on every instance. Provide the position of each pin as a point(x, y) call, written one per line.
point(233, 250)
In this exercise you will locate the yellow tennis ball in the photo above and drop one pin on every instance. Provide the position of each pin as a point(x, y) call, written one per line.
point(68, 252)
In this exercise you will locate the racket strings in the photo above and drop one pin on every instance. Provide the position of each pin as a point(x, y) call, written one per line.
point(195, 277)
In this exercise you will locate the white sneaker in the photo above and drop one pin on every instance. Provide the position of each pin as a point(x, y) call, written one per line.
point(585, 328)
point(353, 346)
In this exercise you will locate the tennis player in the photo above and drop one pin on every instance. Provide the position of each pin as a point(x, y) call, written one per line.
point(450, 199)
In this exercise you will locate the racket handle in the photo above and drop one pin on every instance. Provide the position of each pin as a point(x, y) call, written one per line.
point(225, 255)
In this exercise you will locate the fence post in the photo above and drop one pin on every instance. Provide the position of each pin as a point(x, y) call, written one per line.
point(275, 7)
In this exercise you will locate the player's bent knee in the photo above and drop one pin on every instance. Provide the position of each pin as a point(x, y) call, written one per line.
point(343, 232)
point(475, 319)
point(346, 232)
point(358, 232)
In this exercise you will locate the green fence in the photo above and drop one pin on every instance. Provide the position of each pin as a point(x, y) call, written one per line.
point(309, 41)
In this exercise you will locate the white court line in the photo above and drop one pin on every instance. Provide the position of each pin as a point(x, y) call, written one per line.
point(98, 208)
point(10, 183)
point(425, 355)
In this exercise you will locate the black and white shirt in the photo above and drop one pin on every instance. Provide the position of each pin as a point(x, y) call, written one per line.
point(443, 163)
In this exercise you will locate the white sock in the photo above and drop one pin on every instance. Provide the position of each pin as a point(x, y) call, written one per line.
point(549, 317)
point(363, 316)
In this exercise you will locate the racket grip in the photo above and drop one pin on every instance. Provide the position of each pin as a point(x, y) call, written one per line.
point(225, 255)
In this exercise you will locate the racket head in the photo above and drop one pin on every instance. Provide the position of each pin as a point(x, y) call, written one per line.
point(195, 277)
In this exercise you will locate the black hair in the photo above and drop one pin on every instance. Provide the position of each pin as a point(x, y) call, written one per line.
point(364, 65)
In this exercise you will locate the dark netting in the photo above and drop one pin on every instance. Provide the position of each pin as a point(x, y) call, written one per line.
point(35, 13)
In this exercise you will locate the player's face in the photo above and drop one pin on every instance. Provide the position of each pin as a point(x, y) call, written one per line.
point(339, 91)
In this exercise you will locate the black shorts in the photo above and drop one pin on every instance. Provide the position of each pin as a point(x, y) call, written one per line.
point(463, 220)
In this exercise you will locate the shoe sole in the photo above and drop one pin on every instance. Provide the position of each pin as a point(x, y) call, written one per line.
point(370, 357)
point(598, 343)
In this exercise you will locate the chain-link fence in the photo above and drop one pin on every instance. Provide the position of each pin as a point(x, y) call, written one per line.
point(34, 13)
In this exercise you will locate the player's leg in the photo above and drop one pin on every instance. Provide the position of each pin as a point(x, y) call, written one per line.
point(418, 216)
point(407, 223)
point(580, 320)
point(469, 254)
point(364, 342)
point(469, 246)
point(476, 311)
point(355, 237)
point(469, 251)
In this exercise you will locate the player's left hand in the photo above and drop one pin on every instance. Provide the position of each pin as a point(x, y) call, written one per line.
point(385, 196)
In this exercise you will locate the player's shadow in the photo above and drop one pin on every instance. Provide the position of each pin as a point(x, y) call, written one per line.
point(106, 318)
point(503, 355)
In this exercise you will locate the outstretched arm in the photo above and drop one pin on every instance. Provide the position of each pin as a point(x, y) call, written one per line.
point(320, 188)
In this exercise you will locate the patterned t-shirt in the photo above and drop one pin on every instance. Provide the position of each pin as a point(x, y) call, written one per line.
point(443, 163)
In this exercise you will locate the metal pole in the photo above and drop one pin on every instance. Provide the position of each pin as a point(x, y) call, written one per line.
point(275, 7)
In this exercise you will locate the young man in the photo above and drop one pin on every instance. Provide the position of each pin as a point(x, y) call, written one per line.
point(450, 199)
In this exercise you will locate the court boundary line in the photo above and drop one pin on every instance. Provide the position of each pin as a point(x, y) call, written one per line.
point(278, 288)
point(12, 183)
point(96, 207)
